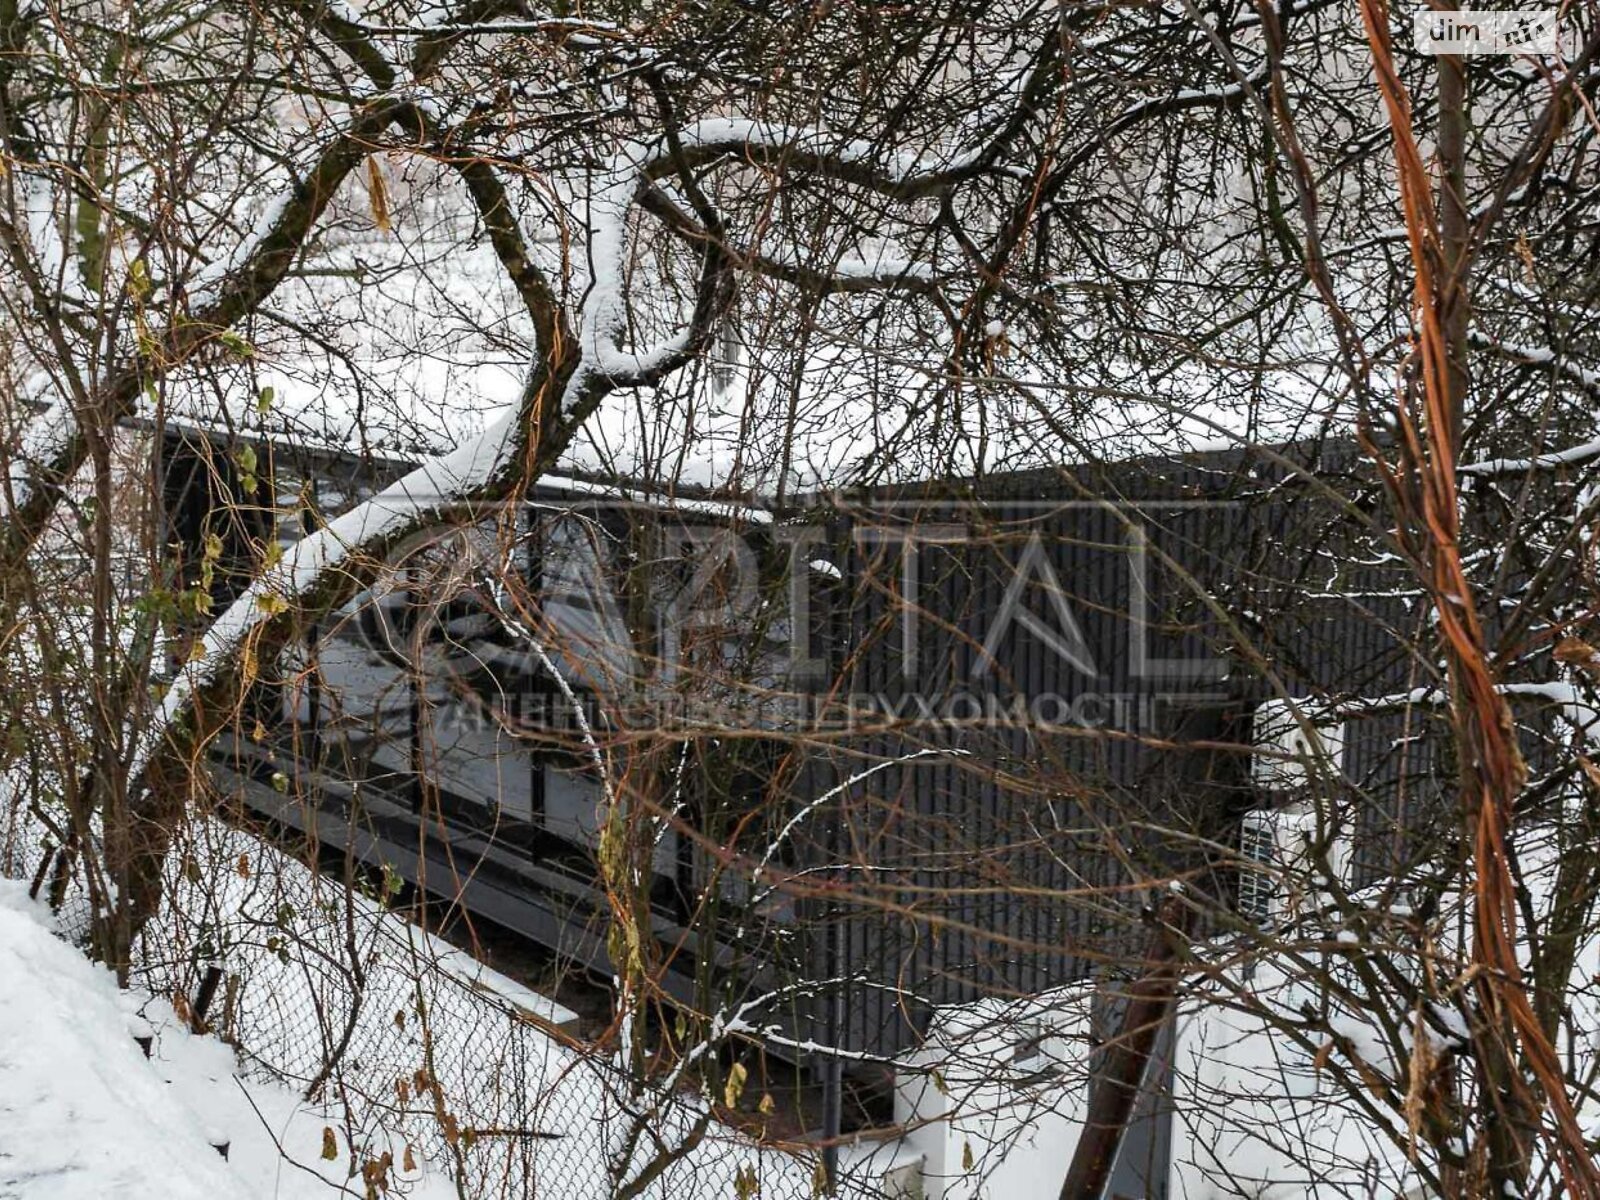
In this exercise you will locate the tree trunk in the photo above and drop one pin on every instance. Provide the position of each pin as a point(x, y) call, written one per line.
point(1115, 1087)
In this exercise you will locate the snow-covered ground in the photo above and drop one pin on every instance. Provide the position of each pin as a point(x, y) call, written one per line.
point(485, 1060)
point(84, 1114)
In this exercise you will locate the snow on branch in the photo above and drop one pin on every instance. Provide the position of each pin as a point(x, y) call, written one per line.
point(604, 312)
point(43, 438)
point(207, 283)
point(219, 296)
point(429, 491)
point(840, 789)
point(1542, 357)
point(56, 264)
point(1571, 456)
point(313, 569)
point(1576, 709)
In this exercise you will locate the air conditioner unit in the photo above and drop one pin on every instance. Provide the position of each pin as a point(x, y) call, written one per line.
point(1288, 857)
point(1293, 739)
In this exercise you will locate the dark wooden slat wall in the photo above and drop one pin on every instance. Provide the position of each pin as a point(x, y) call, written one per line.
point(973, 826)
point(1008, 868)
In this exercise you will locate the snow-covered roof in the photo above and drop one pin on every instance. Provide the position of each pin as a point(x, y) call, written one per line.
point(412, 341)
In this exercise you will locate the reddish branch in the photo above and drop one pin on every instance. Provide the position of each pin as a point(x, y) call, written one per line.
point(1492, 770)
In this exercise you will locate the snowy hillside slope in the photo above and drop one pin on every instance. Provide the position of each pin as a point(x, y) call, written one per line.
point(84, 1114)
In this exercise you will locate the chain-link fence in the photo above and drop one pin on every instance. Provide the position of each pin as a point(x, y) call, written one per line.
point(404, 1040)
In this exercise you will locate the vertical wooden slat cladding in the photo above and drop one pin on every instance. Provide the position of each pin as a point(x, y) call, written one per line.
point(1036, 837)
point(977, 855)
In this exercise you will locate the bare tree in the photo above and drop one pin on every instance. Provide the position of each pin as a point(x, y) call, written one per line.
point(845, 244)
